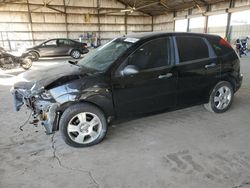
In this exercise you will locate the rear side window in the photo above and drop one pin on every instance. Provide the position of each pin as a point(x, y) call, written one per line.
point(220, 46)
point(65, 42)
point(191, 48)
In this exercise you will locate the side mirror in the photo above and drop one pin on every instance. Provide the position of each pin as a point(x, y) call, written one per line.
point(129, 70)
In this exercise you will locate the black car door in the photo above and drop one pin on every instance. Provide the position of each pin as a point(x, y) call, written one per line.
point(198, 70)
point(154, 87)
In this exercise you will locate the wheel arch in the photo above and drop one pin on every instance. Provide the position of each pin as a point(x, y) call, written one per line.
point(72, 49)
point(231, 80)
point(35, 51)
point(64, 106)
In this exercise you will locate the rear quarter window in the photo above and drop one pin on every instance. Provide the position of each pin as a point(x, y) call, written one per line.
point(191, 48)
point(220, 46)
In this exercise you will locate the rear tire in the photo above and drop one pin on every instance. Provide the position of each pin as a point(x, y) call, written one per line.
point(76, 54)
point(220, 98)
point(34, 56)
point(83, 125)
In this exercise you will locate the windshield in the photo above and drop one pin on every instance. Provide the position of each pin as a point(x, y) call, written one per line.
point(104, 56)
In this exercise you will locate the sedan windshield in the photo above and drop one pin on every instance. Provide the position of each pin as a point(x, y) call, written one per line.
point(104, 56)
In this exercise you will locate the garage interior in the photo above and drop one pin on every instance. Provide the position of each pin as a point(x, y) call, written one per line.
point(183, 148)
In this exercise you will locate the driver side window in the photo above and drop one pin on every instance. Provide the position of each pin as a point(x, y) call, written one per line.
point(153, 54)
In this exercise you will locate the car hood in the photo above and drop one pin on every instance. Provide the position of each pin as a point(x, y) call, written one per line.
point(42, 78)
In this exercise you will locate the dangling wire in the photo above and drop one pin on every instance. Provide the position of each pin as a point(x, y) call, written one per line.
point(21, 126)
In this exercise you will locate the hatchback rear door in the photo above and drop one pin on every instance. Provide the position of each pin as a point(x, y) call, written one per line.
point(198, 69)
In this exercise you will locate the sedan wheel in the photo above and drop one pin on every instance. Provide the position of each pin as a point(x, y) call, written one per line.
point(220, 98)
point(83, 125)
point(75, 54)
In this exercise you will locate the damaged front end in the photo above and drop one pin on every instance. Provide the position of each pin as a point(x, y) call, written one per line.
point(41, 103)
point(48, 92)
point(44, 97)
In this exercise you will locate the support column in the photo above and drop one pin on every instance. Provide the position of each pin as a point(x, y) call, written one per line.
point(98, 19)
point(174, 15)
point(30, 22)
point(206, 19)
point(188, 19)
point(228, 32)
point(66, 19)
point(152, 24)
point(126, 22)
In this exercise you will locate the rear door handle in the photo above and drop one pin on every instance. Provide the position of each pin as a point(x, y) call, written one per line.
point(210, 65)
point(168, 75)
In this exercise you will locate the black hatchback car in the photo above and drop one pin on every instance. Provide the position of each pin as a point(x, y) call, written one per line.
point(57, 47)
point(131, 76)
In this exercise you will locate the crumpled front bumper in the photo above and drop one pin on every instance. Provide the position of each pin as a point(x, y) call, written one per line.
point(18, 100)
point(48, 118)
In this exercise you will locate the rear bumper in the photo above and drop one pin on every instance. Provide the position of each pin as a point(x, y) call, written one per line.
point(239, 83)
point(84, 51)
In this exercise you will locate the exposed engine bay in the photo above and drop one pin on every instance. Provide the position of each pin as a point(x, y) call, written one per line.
point(43, 108)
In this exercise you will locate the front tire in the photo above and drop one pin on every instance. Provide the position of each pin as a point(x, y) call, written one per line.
point(220, 98)
point(83, 125)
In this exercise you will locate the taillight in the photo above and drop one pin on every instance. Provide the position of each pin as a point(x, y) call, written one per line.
point(223, 42)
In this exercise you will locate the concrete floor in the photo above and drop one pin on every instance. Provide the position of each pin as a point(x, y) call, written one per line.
point(185, 148)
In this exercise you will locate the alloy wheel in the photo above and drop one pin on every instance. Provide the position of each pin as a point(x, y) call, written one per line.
point(84, 128)
point(76, 54)
point(223, 97)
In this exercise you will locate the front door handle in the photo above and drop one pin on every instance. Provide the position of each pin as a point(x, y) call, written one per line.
point(168, 75)
point(210, 65)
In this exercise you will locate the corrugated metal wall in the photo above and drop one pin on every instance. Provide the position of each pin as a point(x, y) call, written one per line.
point(27, 23)
point(19, 28)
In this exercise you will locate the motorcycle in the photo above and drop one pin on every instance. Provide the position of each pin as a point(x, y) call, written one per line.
point(9, 61)
point(241, 46)
point(244, 44)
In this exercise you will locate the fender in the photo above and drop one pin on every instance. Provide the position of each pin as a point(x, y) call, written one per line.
point(75, 91)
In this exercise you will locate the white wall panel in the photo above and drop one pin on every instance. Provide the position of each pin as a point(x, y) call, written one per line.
point(49, 27)
point(48, 35)
point(14, 27)
point(14, 17)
